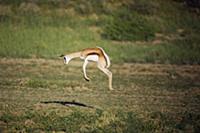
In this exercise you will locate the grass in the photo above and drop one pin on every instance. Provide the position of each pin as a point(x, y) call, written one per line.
point(36, 31)
point(76, 121)
point(40, 95)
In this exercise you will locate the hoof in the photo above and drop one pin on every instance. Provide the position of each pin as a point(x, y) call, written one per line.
point(87, 79)
point(111, 89)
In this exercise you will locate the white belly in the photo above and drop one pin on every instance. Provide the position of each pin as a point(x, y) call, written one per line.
point(92, 58)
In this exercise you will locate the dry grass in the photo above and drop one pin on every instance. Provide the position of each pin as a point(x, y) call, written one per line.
point(36, 92)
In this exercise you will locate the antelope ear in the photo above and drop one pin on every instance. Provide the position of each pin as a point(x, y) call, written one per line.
point(61, 55)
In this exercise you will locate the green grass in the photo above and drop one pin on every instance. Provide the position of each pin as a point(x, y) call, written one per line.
point(48, 42)
point(95, 121)
point(39, 94)
point(47, 29)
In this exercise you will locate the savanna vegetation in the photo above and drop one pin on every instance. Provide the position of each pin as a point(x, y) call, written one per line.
point(131, 31)
point(39, 94)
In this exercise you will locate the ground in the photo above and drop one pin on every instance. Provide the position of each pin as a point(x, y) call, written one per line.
point(44, 95)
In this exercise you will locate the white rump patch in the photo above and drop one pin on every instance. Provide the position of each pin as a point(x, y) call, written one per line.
point(106, 56)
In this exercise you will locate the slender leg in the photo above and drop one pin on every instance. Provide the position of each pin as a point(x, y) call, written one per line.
point(84, 70)
point(109, 74)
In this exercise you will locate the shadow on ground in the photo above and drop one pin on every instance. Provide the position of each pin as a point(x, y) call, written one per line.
point(68, 103)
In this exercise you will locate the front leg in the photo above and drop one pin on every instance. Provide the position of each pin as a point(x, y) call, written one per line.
point(84, 70)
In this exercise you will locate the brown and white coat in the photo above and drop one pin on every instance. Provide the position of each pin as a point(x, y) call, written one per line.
point(92, 54)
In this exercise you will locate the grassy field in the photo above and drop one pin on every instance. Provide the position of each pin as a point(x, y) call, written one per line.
point(40, 95)
point(153, 31)
point(154, 49)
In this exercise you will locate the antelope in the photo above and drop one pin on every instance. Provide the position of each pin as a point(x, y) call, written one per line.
point(97, 55)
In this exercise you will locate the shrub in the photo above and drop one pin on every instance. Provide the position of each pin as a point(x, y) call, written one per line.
point(143, 7)
point(126, 25)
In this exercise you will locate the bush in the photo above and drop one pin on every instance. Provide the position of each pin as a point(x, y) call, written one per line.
point(143, 7)
point(126, 25)
point(90, 6)
point(193, 3)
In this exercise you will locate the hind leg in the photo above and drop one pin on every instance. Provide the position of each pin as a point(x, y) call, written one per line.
point(109, 74)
